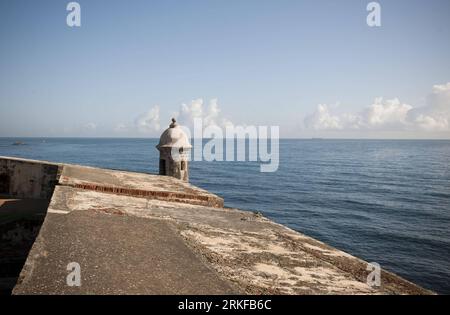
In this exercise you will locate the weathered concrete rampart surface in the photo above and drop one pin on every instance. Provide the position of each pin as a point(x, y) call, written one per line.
point(22, 178)
point(137, 184)
point(182, 243)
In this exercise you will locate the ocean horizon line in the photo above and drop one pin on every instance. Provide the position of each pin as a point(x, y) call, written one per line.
point(240, 138)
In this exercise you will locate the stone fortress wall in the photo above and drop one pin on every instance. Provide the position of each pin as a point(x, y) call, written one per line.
point(134, 233)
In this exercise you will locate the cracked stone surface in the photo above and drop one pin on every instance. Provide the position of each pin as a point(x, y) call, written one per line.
point(243, 251)
point(136, 233)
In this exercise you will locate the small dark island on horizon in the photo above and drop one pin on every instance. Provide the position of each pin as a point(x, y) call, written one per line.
point(258, 151)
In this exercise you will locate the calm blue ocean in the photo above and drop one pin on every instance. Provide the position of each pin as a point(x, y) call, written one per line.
point(386, 201)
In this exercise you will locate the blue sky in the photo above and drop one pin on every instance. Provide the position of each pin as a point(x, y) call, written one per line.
point(314, 68)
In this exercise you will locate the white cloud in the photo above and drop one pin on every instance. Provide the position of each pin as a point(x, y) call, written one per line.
point(389, 112)
point(148, 121)
point(435, 116)
point(429, 123)
point(440, 97)
point(121, 127)
point(211, 116)
point(389, 115)
point(90, 126)
point(323, 119)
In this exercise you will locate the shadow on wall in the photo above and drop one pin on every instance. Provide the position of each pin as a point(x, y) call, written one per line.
point(26, 187)
point(4, 183)
point(20, 222)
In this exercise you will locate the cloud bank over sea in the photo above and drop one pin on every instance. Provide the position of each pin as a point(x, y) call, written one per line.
point(387, 115)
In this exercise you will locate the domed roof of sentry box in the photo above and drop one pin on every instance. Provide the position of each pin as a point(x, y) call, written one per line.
point(174, 137)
